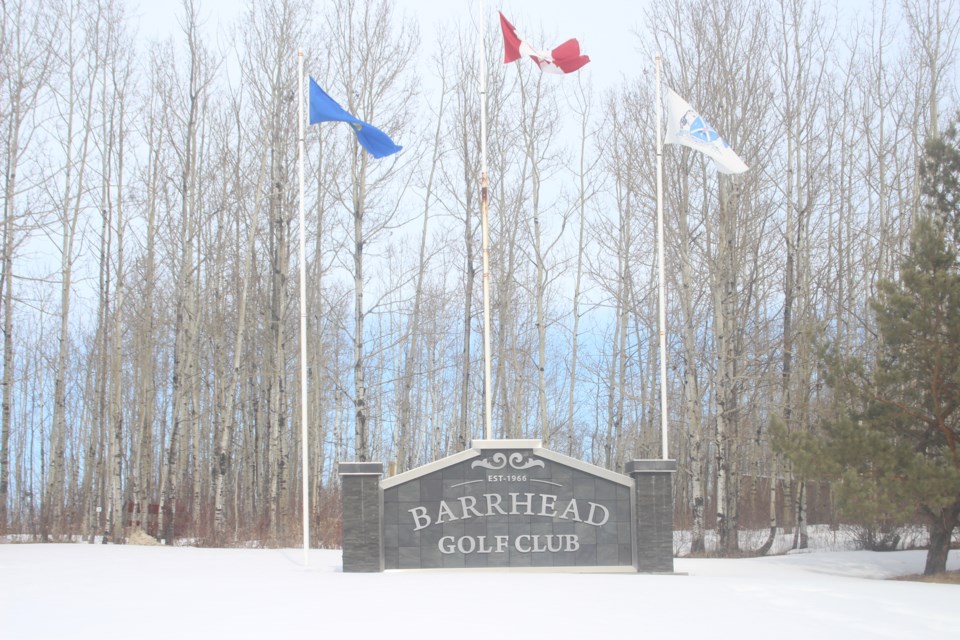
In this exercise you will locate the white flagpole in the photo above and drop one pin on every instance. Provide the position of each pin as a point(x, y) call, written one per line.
point(662, 297)
point(304, 399)
point(484, 223)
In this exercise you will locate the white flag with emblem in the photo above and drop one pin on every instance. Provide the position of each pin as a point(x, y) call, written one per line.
point(687, 127)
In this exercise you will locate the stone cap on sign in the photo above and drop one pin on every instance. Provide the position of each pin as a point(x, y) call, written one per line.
point(360, 469)
point(477, 447)
point(480, 445)
point(651, 466)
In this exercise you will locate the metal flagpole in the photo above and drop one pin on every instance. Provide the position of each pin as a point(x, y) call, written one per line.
point(663, 312)
point(484, 223)
point(304, 431)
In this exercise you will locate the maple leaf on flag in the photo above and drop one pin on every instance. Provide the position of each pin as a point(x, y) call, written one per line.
point(565, 58)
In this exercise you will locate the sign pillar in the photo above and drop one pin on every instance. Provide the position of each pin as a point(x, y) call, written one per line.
point(362, 516)
point(654, 514)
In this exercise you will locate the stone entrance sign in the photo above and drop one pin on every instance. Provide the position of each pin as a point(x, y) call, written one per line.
point(505, 503)
point(521, 506)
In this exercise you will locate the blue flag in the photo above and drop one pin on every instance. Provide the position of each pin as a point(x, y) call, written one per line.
point(323, 108)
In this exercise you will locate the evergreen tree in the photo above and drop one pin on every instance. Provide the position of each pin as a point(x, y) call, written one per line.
point(941, 178)
point(893, 452)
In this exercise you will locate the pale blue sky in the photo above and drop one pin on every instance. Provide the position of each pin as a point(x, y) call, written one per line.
point(605, 29)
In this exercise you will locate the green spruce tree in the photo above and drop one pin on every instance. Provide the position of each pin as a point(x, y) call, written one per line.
point(893, 450)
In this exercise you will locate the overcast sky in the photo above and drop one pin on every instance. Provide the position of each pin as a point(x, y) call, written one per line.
point(605, 29)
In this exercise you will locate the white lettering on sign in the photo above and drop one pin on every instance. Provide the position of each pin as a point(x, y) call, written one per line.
point(516, 503)
point(445, 512)
point(572, 512)
point(468, 507)
point(526, 543)
point(493, 502)
point(507, 478)
point(420, 518)
point(548, 506)
point(591, 518)
point(520, 504)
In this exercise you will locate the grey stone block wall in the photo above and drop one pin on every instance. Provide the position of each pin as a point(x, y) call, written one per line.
point(362, 516)
point(380, 532)
point(406, 547)
point(654, 513)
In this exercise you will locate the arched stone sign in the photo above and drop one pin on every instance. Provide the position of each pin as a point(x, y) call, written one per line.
point(509, 504)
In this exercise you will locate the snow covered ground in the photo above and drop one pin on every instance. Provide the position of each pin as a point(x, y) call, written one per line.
point(83, 591)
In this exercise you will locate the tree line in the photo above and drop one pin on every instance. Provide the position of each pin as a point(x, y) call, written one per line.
point(149, 272)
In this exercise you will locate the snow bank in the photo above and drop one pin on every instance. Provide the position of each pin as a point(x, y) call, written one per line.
point(84, 591)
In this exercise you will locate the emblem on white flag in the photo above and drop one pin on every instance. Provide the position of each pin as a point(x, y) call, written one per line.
point(687, 127)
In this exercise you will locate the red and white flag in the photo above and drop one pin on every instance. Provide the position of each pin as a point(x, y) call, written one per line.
point(564, 59)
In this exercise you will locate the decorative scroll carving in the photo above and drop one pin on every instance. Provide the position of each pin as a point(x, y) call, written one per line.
point(498, 461)
point(518, 463)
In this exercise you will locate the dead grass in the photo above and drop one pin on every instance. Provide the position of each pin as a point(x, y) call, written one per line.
point(947, 577)
point(139, 536)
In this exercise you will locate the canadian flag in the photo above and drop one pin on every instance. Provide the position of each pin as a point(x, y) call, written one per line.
point(564, 59)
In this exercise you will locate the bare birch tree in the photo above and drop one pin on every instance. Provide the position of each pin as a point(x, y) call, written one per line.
point(188, 107)
point(587, 168)
point(413, 331)
point(80, 64)
point(26, 54)
point(370, 54)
